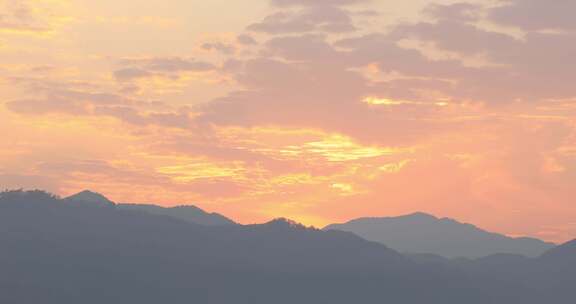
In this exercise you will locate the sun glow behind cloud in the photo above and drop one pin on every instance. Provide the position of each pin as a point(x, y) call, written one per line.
point(392, 102)
point(337, 148)
point(191, 172)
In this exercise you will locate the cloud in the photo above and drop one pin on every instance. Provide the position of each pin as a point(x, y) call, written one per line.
point(18, 181)
point(534, 15)
point(312, 49)
point(132, 116)
point(226, 49)
point(531, 68)
point(168, 64)
point(87, 100)
point(285, 3)
point(38, 18)
point(457, 12)
point(129, 74)
point(75, 98)
point(311, 19)
point(44, 106)
point(72, 175)
point(133, 69)
point(18, 15)
point(245, 39)
point(318, 80)
point(217, 189)
point(320, 97)
point(82, 92)
point(127, 114)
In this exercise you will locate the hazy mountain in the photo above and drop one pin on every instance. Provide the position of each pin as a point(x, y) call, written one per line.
point(556, 273)
point(563, 253)
point(190, 214)
point(424, 233)
point(89, 197)
point(57, 252)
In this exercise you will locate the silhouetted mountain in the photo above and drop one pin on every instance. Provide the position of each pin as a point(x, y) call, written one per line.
point(426, 258)
point(282, 225)
point(424, 233)
point(54, 251)
point(190, 214)
point(556, 273)
point(92, 198)
point(563, 253)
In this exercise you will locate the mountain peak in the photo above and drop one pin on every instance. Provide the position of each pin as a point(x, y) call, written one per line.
point(422, 233)
point(91, 197)
point(565, 251)
point(284, 223)
point(420, 215)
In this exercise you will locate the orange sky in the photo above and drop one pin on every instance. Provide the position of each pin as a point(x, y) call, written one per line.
point(320, 111)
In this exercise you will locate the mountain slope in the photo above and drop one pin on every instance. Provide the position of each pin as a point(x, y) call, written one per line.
point(565, 253)
point(190, 214)
point(89, 197)
point(424, 233)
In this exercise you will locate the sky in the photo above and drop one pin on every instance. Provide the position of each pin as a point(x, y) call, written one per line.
point(316, 110)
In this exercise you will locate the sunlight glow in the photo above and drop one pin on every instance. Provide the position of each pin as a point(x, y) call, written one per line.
point(192, 172)
point(394, 167)
point(392, 102)
point(338, 148)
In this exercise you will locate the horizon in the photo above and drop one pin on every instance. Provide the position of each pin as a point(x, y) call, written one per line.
point(320, 111)
point(436, 217)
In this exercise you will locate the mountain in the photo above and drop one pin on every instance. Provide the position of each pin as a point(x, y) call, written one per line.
point(556, 272)
point(190, 214)
point(423, 233)
point(565, 253)
point(54, 251)
point(89, 197)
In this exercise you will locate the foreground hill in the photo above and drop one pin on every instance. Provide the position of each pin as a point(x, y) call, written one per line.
point(60, 251)
point(423, 233)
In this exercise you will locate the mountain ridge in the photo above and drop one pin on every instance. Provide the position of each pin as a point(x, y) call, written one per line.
point(90, 197)
point(423, 233)
point(188, 213)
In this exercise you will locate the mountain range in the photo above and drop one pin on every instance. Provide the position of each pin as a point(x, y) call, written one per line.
point(420, 233)
point(75, 250)
point(188, 213)
point(417, 233)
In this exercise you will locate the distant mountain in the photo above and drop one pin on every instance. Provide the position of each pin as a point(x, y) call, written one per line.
point(423, 233)
point(556, 272)
point(89, 197)
point(190, 214)
point(565, 253)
